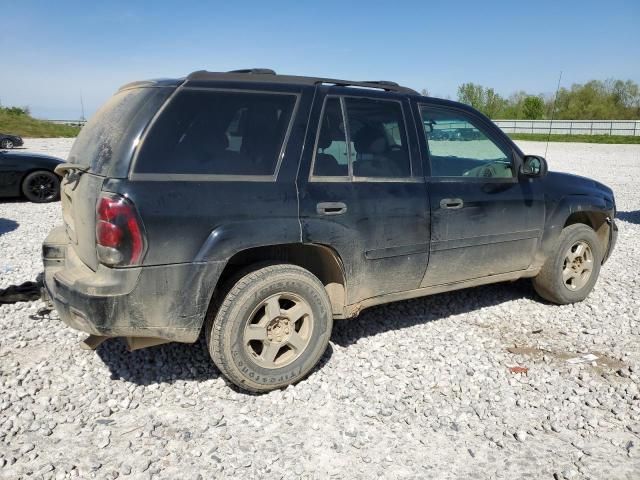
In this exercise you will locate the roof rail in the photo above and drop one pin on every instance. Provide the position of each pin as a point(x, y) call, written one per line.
point(377, 84)
point(259, 74)
point(256, 71)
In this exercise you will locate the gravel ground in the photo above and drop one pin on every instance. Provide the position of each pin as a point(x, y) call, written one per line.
point(416, 389)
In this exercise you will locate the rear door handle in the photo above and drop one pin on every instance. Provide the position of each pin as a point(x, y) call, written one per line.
point(331, 208)
point(451, 203)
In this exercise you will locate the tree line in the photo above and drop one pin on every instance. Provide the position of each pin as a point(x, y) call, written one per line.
point(594, 100)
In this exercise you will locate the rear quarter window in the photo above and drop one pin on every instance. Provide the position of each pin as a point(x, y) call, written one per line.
point(105, 144)
point(203, 132)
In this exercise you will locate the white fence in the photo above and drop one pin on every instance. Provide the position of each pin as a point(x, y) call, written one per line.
point(572, 127)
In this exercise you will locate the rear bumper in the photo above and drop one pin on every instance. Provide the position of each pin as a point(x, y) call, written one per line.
point(167, 301)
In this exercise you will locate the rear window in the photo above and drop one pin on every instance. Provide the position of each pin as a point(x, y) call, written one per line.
point(218, 133)
point(108, 138)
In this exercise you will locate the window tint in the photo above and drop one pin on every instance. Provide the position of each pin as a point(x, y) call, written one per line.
point(332, 155)
point(376, 128)
point(224, 133)
point(457, 148)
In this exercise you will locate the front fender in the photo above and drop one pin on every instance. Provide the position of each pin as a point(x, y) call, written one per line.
point(559, 212)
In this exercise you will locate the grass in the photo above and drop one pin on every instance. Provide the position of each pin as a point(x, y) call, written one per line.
point(27, 126)
point(542, 137)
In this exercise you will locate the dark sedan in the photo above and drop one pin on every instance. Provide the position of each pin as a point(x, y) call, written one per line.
point(30, 175)
point(8, 141)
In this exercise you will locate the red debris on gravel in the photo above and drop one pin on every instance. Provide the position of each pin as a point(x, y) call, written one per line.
point(524, 370)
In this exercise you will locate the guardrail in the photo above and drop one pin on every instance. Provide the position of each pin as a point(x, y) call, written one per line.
point(572, 127)
point(73, 123)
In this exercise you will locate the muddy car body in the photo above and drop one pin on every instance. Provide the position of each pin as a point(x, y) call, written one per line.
point(260, 207)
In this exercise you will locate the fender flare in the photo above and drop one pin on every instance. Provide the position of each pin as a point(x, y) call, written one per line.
point(558, 215)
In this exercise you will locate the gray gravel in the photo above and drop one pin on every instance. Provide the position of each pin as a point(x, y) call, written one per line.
point(417, 389)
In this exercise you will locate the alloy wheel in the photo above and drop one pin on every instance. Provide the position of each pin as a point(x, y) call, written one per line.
point(278, 330)
point(577, 266)
point(42, 187)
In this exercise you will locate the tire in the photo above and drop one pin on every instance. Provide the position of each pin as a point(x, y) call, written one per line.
point(563, 280)
point(271, 328)
point(6, 143)
point(41, 186)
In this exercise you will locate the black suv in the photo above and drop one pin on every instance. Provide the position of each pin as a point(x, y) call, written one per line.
point(260, 207)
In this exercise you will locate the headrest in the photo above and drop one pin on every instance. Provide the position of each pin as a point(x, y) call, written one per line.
point(370, 140)
point(324, 141)
point(219, 140)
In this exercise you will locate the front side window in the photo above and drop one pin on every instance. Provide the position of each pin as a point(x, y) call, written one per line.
point(458, 148)
point(218, 133)
point(372, 144)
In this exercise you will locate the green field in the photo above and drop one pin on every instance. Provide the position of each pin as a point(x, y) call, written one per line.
point(542, 137)
point(25, 125)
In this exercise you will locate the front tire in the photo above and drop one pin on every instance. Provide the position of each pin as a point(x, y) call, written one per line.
point(6, 144)
point(41, 186)
point(271, 328)
point(570, 273)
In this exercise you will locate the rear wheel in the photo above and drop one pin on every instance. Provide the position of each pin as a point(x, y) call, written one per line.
point(41, 186)
point(271, 328)
point(569, 274)
point(6, 143)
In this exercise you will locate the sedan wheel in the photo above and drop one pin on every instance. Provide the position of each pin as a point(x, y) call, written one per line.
point(41, 186)
point(6, 143)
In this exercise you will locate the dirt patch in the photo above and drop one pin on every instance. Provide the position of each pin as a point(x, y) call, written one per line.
point(602, 360)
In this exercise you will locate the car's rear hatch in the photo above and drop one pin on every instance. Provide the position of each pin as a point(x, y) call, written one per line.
point(104, 149)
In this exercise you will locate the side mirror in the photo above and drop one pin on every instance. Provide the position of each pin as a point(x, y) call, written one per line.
point(534, 166)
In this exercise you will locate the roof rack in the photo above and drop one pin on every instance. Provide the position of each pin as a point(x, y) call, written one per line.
point(255, 71)
point(258, 74)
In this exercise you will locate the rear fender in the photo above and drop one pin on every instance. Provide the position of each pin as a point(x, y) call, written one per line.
point(228, 239)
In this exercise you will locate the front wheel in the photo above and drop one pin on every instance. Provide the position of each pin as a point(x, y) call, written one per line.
point(6, 144)
point(570, 273)
point(271, 328)
point(41, 186)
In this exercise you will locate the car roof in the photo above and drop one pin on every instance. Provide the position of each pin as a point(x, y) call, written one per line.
point(268, 76)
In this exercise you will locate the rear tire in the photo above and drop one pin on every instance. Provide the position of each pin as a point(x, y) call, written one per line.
point(41, 186)
point(570, 273)
point(271, 328)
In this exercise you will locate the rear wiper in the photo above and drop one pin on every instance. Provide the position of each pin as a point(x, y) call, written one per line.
point(63, 168)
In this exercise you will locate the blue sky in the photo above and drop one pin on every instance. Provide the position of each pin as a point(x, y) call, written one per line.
point(53, 52)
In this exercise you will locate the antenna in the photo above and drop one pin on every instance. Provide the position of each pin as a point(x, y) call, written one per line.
point(553, 111)
point(82, 119)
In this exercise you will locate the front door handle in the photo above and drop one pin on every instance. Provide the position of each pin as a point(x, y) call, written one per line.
point(331, 208)
point(451, 203)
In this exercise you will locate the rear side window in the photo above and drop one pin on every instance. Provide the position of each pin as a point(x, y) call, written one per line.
point(376, 128)
point(332, 154)
point(218, 133)
point(372, 144)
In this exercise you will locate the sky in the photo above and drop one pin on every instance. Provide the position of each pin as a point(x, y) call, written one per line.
point(55, 53)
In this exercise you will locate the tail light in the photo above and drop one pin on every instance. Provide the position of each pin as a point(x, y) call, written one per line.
point(120, 236)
